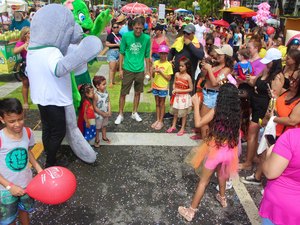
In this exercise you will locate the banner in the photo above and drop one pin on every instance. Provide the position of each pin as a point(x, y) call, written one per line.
point(161, 11)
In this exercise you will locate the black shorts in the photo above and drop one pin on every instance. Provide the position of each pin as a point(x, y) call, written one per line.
point(259, 107)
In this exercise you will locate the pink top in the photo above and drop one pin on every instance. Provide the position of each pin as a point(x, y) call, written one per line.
point(156, 45)
point(258, 67)
point(217, 42)
point(281, 200)
point(23, 53)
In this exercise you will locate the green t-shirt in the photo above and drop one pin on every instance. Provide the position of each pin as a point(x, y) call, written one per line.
point(135, 50)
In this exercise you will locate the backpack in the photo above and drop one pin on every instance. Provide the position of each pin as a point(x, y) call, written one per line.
point(28, 134)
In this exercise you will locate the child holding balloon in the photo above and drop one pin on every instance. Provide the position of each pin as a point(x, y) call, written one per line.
point(15, 155)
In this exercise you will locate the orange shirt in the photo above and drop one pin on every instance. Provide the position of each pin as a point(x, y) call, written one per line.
point(284, 110)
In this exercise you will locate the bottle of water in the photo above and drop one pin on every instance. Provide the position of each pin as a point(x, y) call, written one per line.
point(146, 79)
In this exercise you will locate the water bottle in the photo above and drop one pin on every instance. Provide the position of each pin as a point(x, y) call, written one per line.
point(146, 79)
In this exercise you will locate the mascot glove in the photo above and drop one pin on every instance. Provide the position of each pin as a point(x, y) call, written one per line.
point(87, 50)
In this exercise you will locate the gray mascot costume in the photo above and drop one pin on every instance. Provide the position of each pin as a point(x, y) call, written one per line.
point(49, 65)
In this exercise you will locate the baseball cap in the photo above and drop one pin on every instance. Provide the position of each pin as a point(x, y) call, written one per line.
point(190, 28)
point(163, 49)
point(225, 50)
point(271, 54)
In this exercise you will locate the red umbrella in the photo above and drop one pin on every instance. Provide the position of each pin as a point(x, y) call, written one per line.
point(221, 23)
point(136, 8)
point(246, 14)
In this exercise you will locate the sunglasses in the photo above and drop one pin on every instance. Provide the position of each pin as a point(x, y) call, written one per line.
point(116, 27)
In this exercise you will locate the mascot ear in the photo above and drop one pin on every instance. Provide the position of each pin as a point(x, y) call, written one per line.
point(77, 34)
point(68, 4)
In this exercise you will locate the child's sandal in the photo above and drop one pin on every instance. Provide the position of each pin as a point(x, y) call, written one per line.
point(106, 140)
point(97, 144)
point(221, 200)
point(187, 213)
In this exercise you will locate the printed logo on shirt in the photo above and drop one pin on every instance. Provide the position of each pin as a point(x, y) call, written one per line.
point(135, 48)
point(17, 159)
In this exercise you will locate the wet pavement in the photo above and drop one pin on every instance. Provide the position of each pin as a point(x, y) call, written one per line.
point(137, 185)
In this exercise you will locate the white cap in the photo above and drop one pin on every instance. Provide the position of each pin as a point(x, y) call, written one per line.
point(271, 54)
point(225, 50)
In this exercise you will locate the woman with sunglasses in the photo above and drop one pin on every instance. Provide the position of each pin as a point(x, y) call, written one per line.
point(281, 83)
point(113, 41)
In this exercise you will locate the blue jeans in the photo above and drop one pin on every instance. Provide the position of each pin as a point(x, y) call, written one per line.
point(266, 221)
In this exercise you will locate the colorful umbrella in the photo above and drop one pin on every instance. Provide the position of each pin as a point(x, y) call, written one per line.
point(221, 23)
point(136, 8)
point(245, 14)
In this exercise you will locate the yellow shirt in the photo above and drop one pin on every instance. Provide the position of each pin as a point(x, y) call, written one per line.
point(283, 49)
point(262, 53)
point(160, 82)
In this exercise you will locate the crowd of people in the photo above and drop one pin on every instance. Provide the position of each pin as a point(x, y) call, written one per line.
point(236, 79)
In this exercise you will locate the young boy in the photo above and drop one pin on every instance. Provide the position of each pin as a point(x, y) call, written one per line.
point(15, 174)
point(243, 68)
point(102, 108)
point(162, 71)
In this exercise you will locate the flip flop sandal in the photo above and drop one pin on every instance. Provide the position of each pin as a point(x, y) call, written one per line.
point(221, 200)
point(180, 133)
point(97, 144)
point(154, 125)
point(187, 213)
point(195, 137)
point(106, 140)
point(171, 130)
point(159, 126)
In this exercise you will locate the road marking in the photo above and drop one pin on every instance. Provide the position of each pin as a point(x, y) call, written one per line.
point(246, 201)
point(163, 139)
point(9, 87)
point(141, 139)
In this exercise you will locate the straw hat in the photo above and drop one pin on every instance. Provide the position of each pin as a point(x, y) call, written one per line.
point(121, 18)
point(290, 35)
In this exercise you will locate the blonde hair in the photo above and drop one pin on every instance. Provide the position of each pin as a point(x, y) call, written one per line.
point(24, 31)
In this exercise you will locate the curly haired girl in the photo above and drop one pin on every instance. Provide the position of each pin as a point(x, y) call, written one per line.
point(219, 152)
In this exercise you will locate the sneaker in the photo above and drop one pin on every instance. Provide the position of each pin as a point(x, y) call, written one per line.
point(250, 180)
point(119, 119)
point(228, 185)
point(136, 117)
point(168, 116)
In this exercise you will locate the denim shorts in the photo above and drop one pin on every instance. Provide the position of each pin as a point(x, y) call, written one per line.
point(160, 93)
point(209, 98)
point(266, 221)
point(10, 205)
point(113, 55)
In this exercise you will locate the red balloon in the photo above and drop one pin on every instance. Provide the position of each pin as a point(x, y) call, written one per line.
point(270, 30)
point(53, 185)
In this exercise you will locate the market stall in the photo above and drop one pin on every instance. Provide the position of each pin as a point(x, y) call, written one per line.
point(8, 39)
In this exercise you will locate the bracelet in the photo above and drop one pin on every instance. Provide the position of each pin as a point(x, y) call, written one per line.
point(8, 187)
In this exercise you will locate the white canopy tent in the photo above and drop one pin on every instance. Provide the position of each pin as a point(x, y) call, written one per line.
point(13, 5)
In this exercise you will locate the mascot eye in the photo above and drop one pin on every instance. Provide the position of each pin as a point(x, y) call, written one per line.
point(81, 17)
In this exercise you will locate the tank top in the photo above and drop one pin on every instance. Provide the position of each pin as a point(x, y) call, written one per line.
point(284, 110)
point(156, 45)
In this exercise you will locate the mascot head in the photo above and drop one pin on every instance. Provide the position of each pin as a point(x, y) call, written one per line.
point(54, 25)
point(81, 13)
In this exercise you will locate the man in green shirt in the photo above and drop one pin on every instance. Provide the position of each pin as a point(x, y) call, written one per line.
point(134, 51)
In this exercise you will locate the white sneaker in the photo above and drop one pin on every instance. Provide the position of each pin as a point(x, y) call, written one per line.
point(119, 119)
point(228, 185)
point(136, 117)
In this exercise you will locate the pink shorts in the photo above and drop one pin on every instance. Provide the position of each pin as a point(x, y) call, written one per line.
point(224, 155)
